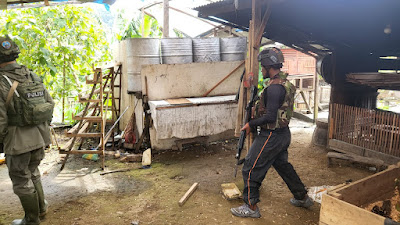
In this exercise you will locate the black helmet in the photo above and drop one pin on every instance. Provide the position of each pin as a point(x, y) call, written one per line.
point(9, 51)
point(270, 57)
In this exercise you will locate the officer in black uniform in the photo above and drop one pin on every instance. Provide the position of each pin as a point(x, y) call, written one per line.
point(272, 116)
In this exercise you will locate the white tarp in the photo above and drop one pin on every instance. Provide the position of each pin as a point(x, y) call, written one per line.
point(197, 117)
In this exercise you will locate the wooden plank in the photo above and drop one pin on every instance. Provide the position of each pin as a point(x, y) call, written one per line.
point(345, 123)
point(371, 188)
point(380, 135)
point(240, 110)
point(305, 101)
point(397, 139)
point(336, 111)
point(374, 134)
point(74, 128)
point(178, 101)
point(185, 197)
point(90, 100)
point(339, 121)
point(92, 81)
point(361, 127)
point(388, 159)
point(222, 80)
point(331, 122)
point(356, 158)
point(385, 132)
point(77, 152)
point(87, 96)
point(89, 118)
point(80, 114)
point(365, 132)
point(117, 171)
point(231, 191)
point(264, 22)
point(349, 124)
point(70, 144)
point(344, 147)
point(85, 135)
point(166, 19)
point(83, 129)
point(335, 211)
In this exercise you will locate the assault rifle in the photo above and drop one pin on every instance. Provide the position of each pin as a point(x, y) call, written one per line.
point(249, 106)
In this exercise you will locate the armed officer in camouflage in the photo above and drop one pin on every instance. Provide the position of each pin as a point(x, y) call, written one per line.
point(271, 117)
point(26, 110)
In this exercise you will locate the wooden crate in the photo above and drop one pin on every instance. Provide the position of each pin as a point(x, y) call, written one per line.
point(341, 206)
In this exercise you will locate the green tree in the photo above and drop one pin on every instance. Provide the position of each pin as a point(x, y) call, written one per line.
point(139, 27)
point(60, 44)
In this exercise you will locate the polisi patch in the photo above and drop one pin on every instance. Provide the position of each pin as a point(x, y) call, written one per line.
point(35, 94)
point(6, 44)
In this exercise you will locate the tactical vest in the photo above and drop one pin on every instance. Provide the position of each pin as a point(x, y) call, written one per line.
point(30, 105)
point(285, 112)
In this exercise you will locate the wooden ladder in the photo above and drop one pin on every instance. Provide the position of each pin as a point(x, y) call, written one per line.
point(96, 109)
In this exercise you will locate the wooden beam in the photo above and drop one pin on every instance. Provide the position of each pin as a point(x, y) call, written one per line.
point(77, 152)
point(166, 19)
point(305, 101)
point(86, 135)
point(234, 70)
point(188, 14)
point(335, 211)
point(316, 98)
point(89, 118)
point(264, 22)
point(191, 190)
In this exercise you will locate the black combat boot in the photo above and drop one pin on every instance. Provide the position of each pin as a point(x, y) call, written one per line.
point(31, 207)
point(43, 205)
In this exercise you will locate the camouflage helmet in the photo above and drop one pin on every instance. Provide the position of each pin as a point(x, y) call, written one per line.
point(8, 48)
point(270, 57)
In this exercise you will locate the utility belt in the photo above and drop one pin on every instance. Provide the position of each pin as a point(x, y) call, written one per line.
point(262, 130)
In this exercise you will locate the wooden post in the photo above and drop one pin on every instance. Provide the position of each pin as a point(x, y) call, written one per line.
point(316, 98)
point(166, 19)
point(142, 13)
point(63, 93)
point(256, 29)
point(188, 194)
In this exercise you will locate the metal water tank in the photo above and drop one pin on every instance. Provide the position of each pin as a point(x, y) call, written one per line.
point(233, 48)
point(176, 50)
point(140, 51)
point(206, 50)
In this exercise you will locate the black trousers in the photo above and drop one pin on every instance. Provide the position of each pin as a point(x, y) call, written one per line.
point(269, 149)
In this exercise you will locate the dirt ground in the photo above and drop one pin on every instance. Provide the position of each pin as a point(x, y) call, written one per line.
point(80, 195)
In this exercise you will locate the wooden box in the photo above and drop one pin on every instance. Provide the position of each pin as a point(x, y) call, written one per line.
point(342, 205)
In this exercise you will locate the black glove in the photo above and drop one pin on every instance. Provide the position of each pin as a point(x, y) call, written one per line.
point(1, 148)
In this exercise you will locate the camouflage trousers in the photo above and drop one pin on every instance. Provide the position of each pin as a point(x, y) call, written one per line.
point(23, 171)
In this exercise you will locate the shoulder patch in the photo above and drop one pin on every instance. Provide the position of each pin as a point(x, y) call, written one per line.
point(6, 45)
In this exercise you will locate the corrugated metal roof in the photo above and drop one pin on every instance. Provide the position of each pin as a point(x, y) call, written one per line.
point(213, 3)
point(357, 31)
